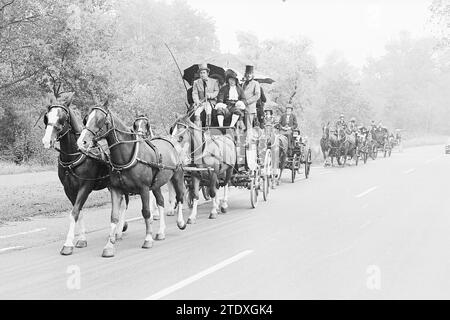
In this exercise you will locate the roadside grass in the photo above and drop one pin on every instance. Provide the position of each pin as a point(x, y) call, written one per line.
point(9, 167)
point(425, 141)
point(38, 199)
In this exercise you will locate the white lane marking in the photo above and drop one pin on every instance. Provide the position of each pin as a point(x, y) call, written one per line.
point(22, 233)
point(409, 171)
point(198, 276)
point(10, 248)
point(431, 160)
point(366, 192)
point(364, 225)
point(134, 219)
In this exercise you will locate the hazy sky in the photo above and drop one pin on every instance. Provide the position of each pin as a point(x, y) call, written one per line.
point(355, 28)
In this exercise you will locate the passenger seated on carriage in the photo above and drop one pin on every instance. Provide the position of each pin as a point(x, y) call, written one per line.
point(341, 124)
point(269, 119)
point(204, 94)
point(288, 122)
point(230, 101)
point(352, 125)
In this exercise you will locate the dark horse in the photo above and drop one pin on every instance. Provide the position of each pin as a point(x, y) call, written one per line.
point(348, 145)
point(79, 174)
point(136, 167)
point(330, 145)
point(218, 153)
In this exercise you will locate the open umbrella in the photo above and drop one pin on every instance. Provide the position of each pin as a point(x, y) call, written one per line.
point(263, 79)
point(191, 73)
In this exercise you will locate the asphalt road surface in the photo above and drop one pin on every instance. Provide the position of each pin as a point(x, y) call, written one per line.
point(376, 231)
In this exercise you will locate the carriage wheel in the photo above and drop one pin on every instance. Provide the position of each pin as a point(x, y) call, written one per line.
point(365, 157)
point(390, 152)
point(267, 174)
point(374, 152)
point(357, 154)
point(308, 163)
point(385, 151)
point(253, 192)
point(190, 198)
point(293, 168)
point(205, 192)
point(265, 187)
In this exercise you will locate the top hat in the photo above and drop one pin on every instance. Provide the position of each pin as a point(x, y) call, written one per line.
point(203, 66)
point(249, 69)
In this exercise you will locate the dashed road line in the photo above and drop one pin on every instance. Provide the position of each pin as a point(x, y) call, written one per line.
point(10, 248)
point(198, 276)
point(366, 192)
point(22, 233)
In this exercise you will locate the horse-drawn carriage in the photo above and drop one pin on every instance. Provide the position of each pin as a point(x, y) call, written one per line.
point(299, 155)
point(381, 143)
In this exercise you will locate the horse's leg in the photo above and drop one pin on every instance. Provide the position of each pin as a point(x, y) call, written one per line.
point(145, 198)
point(80, 199)
point(161, 235)
point(116, 197)
point(224, 201)
point(172, 200)
point(214, 199)
point(195, 187)
point(121, 224)
point(154, 207)
point(177, 183)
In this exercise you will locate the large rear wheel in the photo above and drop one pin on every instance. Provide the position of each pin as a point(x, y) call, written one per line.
point(308, 162)
point(205, 192)
point(254, 192)
point(293, 168)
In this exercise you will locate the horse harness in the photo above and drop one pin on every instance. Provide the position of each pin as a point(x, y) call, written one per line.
point(119, 168)
point(69, 166)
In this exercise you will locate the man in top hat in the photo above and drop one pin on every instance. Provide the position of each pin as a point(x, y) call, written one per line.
point(341, 124)
point(288, 122)
point(352, 125)
point(252, 91)
point(204, 94)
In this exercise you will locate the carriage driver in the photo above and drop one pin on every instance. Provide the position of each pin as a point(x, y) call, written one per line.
point(288, 122)
point(341, 123)
point(231, 100)
point(252, 91)
point(204, 94)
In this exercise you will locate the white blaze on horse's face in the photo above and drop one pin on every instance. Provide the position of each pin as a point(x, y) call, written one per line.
point(81, 142)
point(50, 132)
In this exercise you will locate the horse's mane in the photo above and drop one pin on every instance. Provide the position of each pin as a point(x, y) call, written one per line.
point(75, 120)
point(117, 120)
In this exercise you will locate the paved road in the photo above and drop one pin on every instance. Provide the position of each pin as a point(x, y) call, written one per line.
point(374, 231)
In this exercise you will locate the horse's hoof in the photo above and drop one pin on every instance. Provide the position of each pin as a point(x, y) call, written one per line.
point(160, 237)
point(181, 225)
point(66, 250)
point(81, 244)
point(156, 217)
point(213, 216)
point(223, 210)
point(108, 253)
point(125, 227)
point(170, 214)
point(147, 244)
point(191, 221)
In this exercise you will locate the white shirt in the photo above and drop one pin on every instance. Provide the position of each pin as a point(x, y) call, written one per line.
point(233, 94)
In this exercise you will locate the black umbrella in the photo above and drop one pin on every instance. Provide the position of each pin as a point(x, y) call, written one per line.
point(191, 73)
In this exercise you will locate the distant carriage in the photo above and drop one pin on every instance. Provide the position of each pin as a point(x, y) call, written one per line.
point(300, 156)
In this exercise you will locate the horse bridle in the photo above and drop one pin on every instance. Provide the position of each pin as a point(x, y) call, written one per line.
point(57, 126)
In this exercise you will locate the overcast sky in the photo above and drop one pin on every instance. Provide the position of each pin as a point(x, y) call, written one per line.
point(355, 28)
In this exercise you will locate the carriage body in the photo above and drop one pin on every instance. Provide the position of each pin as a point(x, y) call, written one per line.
point(299, 156)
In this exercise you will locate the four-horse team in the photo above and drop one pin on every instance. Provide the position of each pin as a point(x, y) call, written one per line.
point(222, 141)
